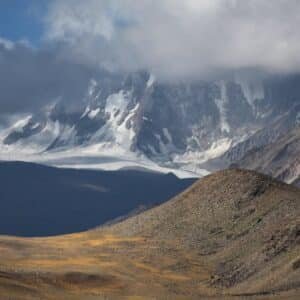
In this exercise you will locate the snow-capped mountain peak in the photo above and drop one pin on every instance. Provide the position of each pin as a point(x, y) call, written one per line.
point(173, 125)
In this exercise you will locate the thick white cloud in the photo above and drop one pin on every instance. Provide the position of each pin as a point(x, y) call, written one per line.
point(177, 38)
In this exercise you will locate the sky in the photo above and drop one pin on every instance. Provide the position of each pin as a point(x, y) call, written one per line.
point(19, 20)
point(48, 47)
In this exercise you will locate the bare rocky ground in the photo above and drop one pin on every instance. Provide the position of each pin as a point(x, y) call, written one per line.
point(232, 235)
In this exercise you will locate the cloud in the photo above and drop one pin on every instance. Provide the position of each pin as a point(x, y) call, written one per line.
point(172, 38)
point(176, 38)
point(31, 78)
point(7, 44)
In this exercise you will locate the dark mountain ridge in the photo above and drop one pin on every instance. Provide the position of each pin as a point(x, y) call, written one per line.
point(37, 200)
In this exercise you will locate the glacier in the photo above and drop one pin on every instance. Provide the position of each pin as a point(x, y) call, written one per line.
point(138, 121)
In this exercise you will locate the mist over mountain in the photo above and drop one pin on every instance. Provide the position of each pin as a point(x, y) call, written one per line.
point(136, 120)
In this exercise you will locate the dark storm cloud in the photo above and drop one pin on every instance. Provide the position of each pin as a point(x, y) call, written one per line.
point(31, 78)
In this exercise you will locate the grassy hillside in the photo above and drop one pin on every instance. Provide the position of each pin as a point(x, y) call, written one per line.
point(234, 233)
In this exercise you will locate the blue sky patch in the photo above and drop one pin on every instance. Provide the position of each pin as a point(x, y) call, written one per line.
point(22, 19)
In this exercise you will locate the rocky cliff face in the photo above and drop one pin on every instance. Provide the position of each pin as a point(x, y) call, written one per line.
point(273, 130)
point(280, 159)
point(181, 125)
point(297, 182)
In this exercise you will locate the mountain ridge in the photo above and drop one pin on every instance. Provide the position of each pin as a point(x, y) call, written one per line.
point(279, 159)
point(135, 116)
point(51, 201)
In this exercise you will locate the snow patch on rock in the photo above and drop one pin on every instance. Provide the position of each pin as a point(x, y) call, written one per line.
point(93, 113)
point(19, 125)
point(192, 159)
point(252, 90)
point(221, 104)
point(150, 81)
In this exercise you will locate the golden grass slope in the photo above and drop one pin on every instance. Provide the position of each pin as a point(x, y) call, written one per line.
point(233, 234)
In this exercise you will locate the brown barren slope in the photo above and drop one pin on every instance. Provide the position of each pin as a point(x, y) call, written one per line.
point(234, 233)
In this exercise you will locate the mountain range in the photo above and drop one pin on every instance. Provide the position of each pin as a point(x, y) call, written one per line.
point(135, 120)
